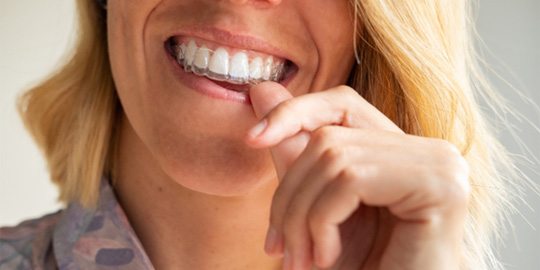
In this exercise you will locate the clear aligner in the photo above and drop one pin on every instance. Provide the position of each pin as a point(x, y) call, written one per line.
point(220, 66)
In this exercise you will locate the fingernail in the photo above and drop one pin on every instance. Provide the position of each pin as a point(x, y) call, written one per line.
point(287, 261)
point(271, 240)
point(258, 129)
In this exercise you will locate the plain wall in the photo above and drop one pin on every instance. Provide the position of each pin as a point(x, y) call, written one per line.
point(34, 36)
point(511, 32)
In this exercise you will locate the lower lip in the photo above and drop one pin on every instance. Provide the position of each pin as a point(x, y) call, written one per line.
point(208, 87)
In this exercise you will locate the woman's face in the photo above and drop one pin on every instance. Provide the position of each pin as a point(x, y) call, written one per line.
point(194, 127)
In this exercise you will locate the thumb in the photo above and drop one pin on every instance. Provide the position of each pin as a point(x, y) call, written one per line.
point(264, 98)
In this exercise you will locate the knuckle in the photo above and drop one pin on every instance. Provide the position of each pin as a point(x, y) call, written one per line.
point(448, 146)
point(456, 169)
point(347, 90)
point(450, 162)
point(454, 194)
point(287, 107)
point(323, 136)
point(355, 175)
point(446, 149)
point(445, 186)
point(349, 174)
point(449, 186)
point(350, 95)
point(458, 193)
point(459, 187)
point(333, 156)
point(349, 185)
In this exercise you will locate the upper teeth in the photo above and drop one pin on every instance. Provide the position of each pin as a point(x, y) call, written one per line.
point(218, 65)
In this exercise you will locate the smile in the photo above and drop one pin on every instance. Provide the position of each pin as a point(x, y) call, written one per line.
point(233, 66)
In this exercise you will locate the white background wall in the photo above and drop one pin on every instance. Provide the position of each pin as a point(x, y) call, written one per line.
point(511, 31)
point(34, 35)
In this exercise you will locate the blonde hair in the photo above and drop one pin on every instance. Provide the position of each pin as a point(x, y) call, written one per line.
point(72, 114)
point(416, 65)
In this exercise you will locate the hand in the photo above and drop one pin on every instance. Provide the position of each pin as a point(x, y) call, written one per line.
point(355, 191)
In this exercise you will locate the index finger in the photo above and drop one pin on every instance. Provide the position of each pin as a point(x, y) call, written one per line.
point(340, 105)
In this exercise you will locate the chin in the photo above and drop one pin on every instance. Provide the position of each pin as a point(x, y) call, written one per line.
point(231, 170)
point(220, 184)
point(213, 186)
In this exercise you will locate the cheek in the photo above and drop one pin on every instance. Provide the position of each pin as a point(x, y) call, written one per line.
point(333, 37)
point(125, 28)
point(126, 21)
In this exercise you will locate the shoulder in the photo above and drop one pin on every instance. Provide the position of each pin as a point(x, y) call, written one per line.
point(28, 245)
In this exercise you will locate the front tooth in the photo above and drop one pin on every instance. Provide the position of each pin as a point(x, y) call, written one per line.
point(267, 69)
point(239, 68)
point(255, 68)
point(202, 57)
point(219, 63)
point(190, 53)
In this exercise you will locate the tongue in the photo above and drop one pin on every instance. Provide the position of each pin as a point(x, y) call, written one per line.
point(233, 87)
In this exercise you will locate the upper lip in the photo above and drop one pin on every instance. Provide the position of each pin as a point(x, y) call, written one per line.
point(231, 39)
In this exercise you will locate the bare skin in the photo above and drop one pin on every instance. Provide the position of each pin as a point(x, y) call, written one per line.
point(200, 192)
point(185, 229)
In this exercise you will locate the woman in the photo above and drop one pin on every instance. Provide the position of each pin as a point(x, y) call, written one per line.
point(335, 134)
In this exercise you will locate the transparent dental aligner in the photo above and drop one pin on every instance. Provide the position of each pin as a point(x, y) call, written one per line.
point(220, 66)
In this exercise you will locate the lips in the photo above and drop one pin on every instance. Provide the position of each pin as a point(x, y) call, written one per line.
point(233, 68)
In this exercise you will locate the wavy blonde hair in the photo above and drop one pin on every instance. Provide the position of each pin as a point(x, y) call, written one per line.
point(416, 65)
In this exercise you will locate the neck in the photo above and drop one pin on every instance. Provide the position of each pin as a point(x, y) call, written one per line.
point(180, 228)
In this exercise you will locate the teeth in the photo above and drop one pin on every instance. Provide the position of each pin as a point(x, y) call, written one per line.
point(255, 69)
point(181, 53)
point(202, 57)
point(267, 69)
point(239, 67)
point(218, 65)
point(190, 53)
point(275, 74)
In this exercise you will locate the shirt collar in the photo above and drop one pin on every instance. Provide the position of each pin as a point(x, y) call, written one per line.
point(103, 237)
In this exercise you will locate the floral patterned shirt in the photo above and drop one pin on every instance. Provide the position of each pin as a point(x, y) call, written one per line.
point(75, 238)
